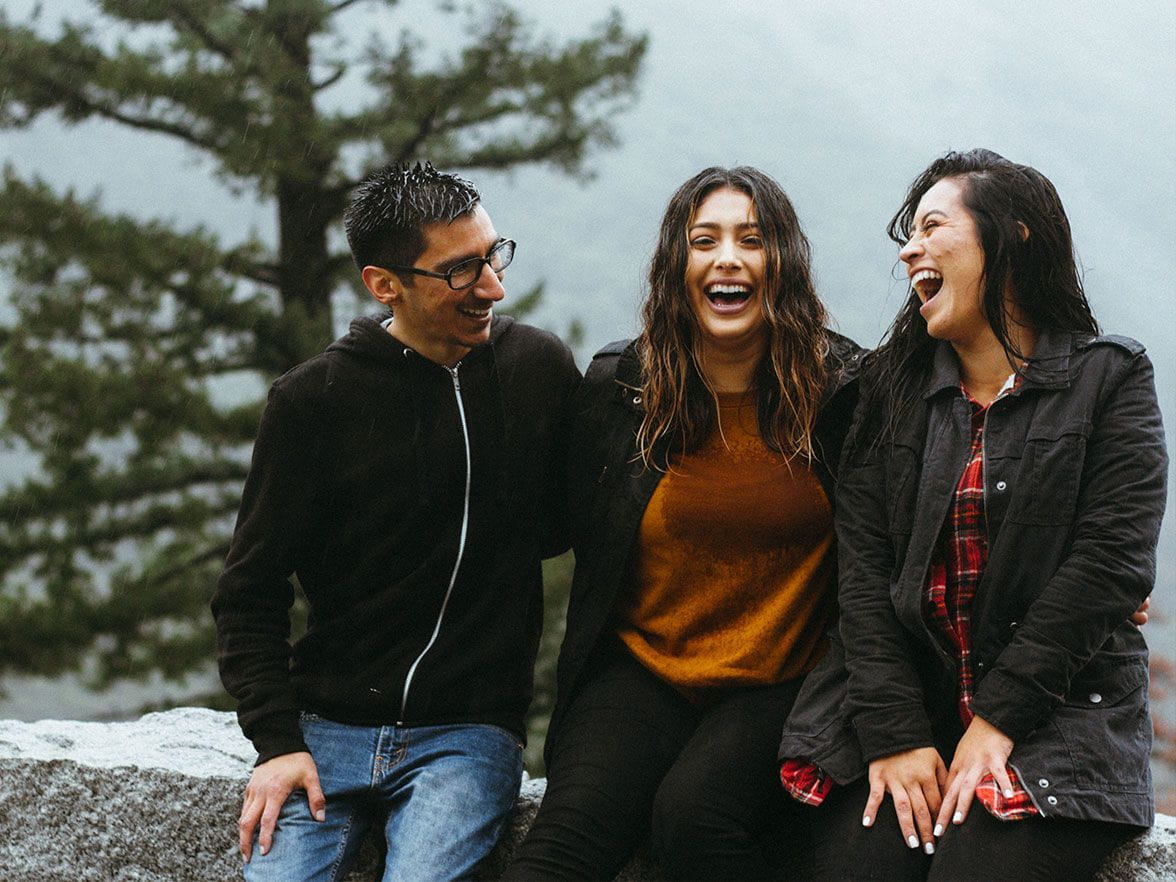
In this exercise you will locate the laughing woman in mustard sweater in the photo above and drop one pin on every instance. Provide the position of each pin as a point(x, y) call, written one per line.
point(702, 483)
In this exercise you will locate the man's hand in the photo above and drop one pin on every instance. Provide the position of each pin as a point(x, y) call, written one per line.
point(1139, 617)
point(265, 794)
point(984, 749)
point(914, 779)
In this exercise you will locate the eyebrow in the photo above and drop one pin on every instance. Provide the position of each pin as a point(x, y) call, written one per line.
point(709, 225)
point(932, 211)
point(447, 265)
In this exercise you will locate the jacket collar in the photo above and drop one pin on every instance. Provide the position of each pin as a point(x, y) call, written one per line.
point(945, 370)
point(1047, 368)
point(629, 367)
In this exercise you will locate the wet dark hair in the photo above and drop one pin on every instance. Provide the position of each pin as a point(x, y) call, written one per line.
point(680, 410)
point(1006, 200)
point(387, 215)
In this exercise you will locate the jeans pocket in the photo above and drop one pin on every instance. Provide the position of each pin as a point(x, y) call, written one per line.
point(506, 733)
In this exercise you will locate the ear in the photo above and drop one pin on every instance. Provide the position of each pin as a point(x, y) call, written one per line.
point(382, 284)
point(1024, 231)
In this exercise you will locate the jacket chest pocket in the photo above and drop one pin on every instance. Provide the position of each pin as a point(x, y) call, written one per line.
point(1049, 479)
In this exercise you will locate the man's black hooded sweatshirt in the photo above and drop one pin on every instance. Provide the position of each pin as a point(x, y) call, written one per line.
point(422, 574)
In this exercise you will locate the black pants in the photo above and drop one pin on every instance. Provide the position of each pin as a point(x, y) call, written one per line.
point(634, 759)
point(982, 848)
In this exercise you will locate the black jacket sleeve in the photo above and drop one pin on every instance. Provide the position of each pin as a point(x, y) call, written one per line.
point(878, 653)
point(254, 593)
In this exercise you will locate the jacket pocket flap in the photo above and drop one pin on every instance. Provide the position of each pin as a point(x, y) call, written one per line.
point(1106, 685)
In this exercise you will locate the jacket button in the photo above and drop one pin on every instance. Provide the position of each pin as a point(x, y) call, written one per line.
point(1042, 782)
point(1095, 698)
point(636, 399)
point(1052, 800)
point(1001, 485)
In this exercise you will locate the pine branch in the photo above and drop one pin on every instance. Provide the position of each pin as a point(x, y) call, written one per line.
point(185, 17)
point(57, 500)
point(99, 537)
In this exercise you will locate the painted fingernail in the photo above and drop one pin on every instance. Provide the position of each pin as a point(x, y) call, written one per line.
point(264, 850)
point(938, 831)
point(957, 818)
point(1009, 793)
point(928, 848)
point(913, 841)
point(865, 820)
point(320, 815)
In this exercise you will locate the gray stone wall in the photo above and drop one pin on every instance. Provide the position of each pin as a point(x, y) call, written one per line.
point(156, 800)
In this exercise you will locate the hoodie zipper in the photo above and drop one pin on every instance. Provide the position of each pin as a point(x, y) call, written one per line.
point(465, 522)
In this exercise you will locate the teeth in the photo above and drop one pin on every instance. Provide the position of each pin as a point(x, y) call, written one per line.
point(476, 313)
point(729, 289)
point(925, 275)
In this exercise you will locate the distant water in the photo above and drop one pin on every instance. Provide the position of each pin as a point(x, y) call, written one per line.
point(65, 698)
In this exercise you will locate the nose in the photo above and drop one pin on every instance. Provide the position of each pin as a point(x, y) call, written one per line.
point(910, 250)
point(728, 254)
point(489, 286)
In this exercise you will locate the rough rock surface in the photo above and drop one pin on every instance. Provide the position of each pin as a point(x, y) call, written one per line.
point(157, 799)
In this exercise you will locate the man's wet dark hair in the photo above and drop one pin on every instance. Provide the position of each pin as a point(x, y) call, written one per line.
point(391, 207)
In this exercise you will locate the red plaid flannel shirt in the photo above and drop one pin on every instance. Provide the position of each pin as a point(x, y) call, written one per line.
point(956, 567)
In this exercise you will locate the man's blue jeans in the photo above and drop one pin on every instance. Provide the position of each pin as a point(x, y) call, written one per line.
point(447, 791)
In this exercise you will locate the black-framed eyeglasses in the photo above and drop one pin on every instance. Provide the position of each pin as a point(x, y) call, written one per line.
point(465, 274)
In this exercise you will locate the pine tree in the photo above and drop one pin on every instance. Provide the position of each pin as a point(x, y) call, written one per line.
point(124, 334)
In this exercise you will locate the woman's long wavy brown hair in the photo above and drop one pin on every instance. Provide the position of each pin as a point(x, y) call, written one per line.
point(680, 407)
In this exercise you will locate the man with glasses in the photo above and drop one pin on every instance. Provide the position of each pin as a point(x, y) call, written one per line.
point(408, 481)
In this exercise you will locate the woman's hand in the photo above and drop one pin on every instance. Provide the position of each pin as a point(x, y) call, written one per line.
point(984, 749)
point(914, 779)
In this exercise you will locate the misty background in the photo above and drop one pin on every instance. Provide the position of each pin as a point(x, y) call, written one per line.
point(843, 102)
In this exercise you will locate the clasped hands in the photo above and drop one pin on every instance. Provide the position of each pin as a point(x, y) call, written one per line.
point(928, 795)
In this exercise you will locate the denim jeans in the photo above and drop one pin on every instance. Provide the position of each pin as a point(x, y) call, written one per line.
point(442, 792)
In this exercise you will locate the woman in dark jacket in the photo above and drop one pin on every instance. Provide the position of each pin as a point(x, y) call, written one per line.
point(998, 513)
point(701, 490)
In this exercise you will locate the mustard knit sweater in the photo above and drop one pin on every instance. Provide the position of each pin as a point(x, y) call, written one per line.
point(732, 582)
